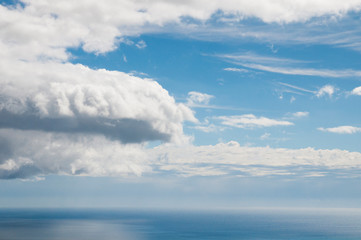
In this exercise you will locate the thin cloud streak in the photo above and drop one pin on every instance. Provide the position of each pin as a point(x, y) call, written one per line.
point(303, 71)
point(342, 129)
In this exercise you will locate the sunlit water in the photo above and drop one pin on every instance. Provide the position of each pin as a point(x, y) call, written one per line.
point(173, 225)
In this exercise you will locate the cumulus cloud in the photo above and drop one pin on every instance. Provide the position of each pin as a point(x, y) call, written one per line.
point(356, 91)
point(342, 129)
point(251, 121)
point(326, 90)
point(74, 98)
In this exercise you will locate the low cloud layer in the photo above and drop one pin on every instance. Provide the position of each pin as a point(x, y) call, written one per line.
point(29, 154)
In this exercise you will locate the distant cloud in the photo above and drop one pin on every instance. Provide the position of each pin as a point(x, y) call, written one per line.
point(356, 91)
point(342, 130)
point(141, 44)
point(292, 99)
point(208, 128)
point(31, 155)
point(197, 98)
point(296, 87)
point(241, 161)
point(251, 121)
point(326, 90)
point(236, 70)
point(284, 66)
point(300, 114)
point(265, 136)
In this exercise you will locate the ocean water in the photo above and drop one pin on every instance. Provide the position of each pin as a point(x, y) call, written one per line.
point(70, 224)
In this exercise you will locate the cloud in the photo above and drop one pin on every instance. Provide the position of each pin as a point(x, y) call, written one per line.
point(141, 44)
point(74, 98)
point(326, 90)
point(38, 29)
point(235, 160)
point(356, 91)
point(251, 121)
point(236, 70)
point(300, 114)
point(284, 66)
point(197, 98)
point(32, 153)
point(342, 130)
point(296, 88)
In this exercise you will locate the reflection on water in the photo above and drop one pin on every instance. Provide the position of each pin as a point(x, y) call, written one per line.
point(64, 230)
point(149, 225)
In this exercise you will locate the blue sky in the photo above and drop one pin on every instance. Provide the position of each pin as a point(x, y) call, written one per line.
point(180, 104)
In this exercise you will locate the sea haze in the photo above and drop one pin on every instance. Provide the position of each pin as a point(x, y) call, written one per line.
point(66, 224)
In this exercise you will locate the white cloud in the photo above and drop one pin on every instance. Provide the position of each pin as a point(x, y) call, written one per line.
point(67, 97)
point(47, 28)
point(284, 66)
point(296, 88)
point(232, 159)
point(342, 130)
point(251, 121)
point(326, 90)
point(31, 153)
point(197, 98)
point(300, 114)
point(41, 153)
point(62, 118)
point(356, 91)
point(236, 70)
point(141, 44)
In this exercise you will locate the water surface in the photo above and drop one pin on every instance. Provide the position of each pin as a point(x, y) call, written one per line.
point(66, 224)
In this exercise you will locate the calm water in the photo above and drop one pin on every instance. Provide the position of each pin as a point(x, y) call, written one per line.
point(173, 225)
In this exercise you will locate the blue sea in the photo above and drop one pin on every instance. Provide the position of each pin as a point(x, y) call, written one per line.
point(85, 224)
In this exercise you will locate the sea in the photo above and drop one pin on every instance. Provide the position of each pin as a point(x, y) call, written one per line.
point(126, 224)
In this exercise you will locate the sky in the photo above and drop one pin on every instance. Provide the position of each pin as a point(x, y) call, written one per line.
point(180, 104)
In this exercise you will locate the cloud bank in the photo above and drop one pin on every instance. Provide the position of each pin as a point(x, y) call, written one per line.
point(44, 153)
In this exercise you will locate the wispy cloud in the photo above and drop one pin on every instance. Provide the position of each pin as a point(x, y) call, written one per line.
point(284, 66)
point(236, 70)
point(297, 87)
point(251, 121)
point(197, 98)
point(342, 129)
